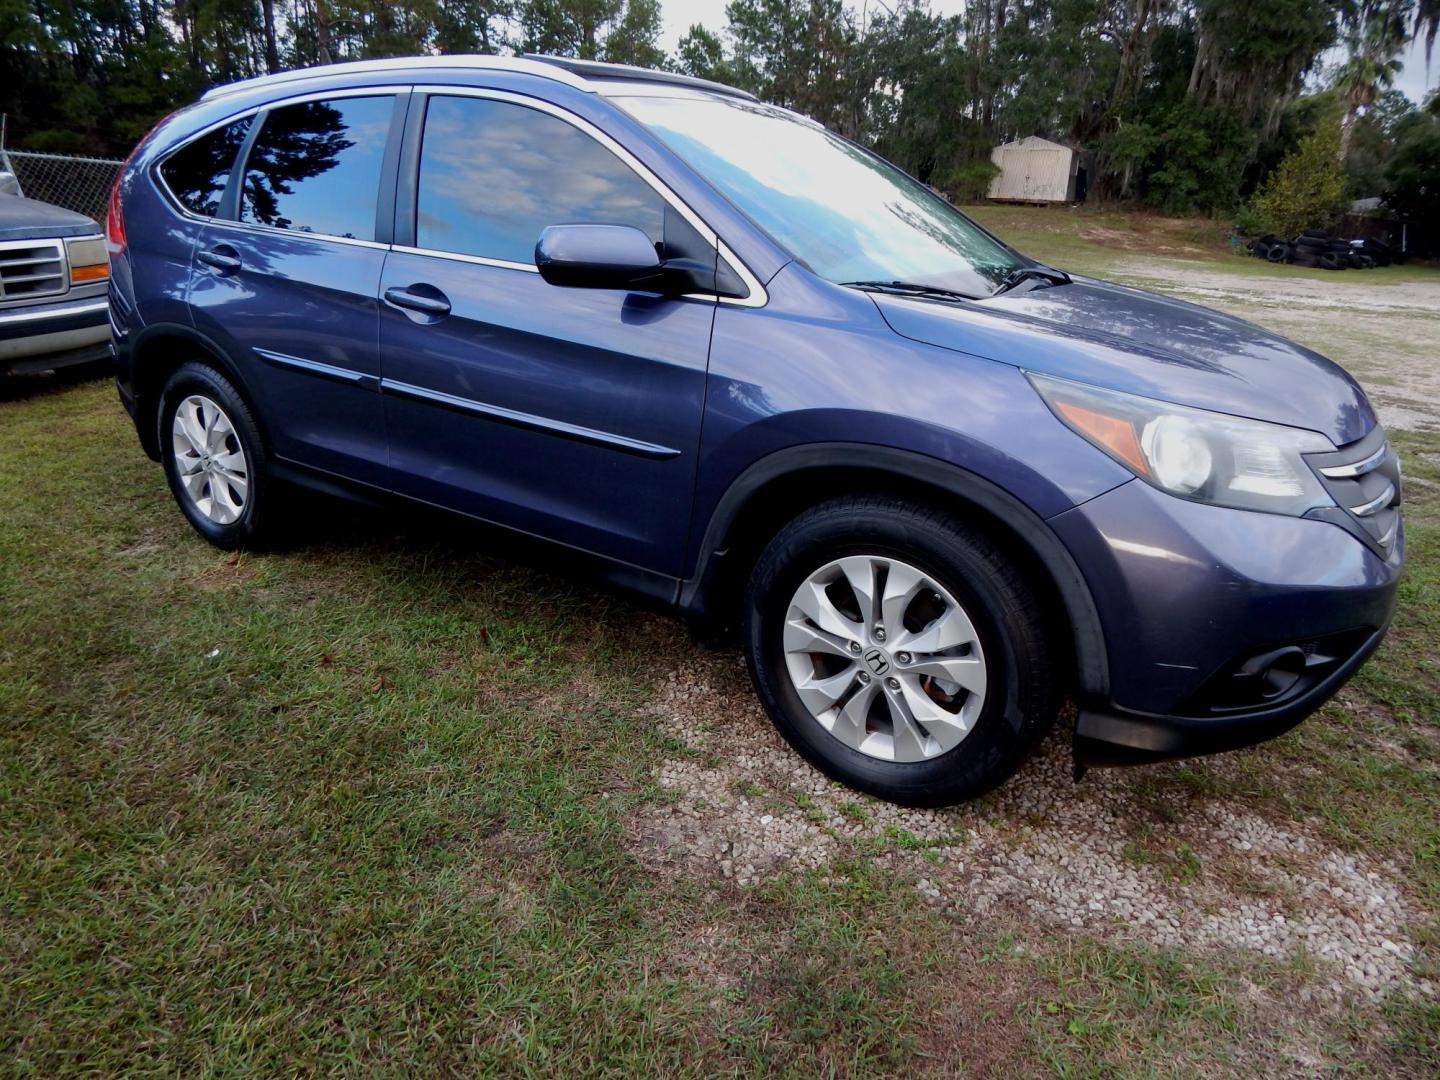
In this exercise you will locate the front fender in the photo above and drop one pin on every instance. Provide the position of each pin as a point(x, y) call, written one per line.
point(870, 461)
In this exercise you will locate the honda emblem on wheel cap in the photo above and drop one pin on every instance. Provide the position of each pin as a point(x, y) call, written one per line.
point(875, 660)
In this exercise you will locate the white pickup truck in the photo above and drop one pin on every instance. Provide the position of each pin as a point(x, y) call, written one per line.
point(54, 276)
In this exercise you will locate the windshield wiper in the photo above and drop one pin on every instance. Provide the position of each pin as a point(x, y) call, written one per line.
point(1029, 273)
point(909, 288)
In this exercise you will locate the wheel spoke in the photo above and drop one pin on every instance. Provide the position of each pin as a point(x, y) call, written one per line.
point(238, 484)
point(186, 460)
point(226, 507)
point(194, 482)
point(802, 637)
point(821, 610)
point(850, 720)
point(967, 671)
point(862, 575)
point(949, 631)
point(219, 432)
point(194, 427)
point(908, 736)
point(901, 585)
point(821, 693)
point(231, 463)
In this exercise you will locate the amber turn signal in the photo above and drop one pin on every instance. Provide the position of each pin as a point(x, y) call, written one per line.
point(1114, 433)
point(81, 274)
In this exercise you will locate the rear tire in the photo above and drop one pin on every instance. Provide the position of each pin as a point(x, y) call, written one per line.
point(215, 459)
point(900, 726)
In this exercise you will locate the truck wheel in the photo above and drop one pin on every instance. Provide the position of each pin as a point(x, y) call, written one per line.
point(899, 650)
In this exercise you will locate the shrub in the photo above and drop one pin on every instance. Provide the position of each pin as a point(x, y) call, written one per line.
point(1306, 191)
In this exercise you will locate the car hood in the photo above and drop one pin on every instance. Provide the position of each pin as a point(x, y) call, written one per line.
point(30, 219)
point(1135, 341)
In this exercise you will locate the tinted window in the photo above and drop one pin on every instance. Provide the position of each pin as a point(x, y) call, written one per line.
point(196, 174)
point(316, 167)
point(493, 175)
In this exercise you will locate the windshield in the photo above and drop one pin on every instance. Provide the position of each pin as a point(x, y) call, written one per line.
point(844, 212)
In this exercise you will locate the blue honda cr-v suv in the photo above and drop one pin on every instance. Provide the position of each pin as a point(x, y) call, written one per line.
point(770, 380)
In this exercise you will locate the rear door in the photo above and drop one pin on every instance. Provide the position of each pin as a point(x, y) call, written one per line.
point(572, 414)
point(288, 285)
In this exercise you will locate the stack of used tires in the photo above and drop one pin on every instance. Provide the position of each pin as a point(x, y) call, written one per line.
point(1317, 248)
point(1270, 248)
point(1311, 247)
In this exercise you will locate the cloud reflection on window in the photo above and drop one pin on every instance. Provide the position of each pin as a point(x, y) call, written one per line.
point(493, 175)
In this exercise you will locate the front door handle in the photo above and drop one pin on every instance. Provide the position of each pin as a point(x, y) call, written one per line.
point(435, 304)
point(222, 258)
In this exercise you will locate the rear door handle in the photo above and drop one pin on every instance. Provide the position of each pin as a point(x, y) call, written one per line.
point(429, 305)
point(222, 257)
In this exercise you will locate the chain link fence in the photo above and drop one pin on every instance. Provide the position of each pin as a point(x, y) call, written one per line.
point(81, 184)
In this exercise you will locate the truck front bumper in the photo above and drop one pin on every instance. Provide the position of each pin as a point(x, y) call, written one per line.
point(42, 337)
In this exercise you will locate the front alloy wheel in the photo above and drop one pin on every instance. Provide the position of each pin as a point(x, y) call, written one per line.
point(900, 650)
point(884, 658)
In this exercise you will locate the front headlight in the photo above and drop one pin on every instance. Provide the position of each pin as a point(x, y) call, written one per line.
point(1205, 456)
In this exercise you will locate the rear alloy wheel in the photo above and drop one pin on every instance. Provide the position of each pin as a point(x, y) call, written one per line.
point(899, 650)
point(210, 460)
point(214, 458)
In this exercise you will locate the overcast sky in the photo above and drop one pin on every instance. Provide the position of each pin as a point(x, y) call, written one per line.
point(680, 15)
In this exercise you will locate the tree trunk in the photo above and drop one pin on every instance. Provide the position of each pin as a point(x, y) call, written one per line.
point(322, 33)
point(272, 50)
point(1347, 128)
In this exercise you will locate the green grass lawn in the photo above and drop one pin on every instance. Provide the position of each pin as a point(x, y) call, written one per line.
point(1100, 241)
point(361, 808)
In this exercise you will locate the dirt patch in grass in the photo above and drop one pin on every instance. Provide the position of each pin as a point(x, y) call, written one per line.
point(1112, 856)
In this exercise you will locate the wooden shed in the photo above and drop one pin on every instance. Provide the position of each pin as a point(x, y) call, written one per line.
point(1037, 170)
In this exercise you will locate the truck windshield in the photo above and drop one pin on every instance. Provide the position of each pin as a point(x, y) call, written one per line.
point(847, 214)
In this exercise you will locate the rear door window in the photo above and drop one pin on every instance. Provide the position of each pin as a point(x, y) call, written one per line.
point(197, 173)
point(494, 174)
point(315, 167)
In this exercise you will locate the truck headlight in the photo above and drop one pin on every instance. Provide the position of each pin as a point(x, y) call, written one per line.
point(1193, 453)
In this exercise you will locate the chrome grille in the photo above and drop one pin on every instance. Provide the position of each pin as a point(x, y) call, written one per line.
point(31, 268)
point(1364, 480)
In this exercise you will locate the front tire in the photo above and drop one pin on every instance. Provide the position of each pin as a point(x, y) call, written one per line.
point(899, 651)
point(214, 458)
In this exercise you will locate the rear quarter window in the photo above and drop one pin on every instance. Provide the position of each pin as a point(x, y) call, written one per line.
point(315, 167)
point(197, 173)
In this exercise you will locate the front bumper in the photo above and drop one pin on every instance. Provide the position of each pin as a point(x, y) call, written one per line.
point(1197, 602)
point(1106, 737)
point(42, 337)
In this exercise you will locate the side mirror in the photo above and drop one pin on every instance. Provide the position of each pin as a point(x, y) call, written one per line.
point(9, 184)
point(599, 257)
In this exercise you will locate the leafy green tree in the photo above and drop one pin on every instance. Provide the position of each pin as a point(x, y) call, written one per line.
point(701, 53)
point(1307, 191)
point(623, 31)
point(1413, 172)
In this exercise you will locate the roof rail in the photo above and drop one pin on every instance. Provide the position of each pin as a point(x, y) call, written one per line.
point(595, 69)
point(526, 66)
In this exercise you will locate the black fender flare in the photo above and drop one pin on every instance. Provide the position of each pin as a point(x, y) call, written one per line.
point(1091, 661)
point(176, 332)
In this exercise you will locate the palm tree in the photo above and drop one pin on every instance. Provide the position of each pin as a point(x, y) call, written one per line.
point(1427, 18)
point(1374, 46)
